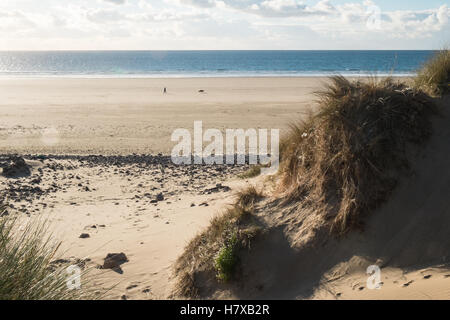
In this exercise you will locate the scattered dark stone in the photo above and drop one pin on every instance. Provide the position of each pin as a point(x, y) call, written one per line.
point(428, 276)
point(218, 188)
point(204, 204)
point(60, 261)
point(16, 168)
point(192, 204)
point(160, 197)
point(408, 283)
point(36, 180)
point(124, 297)
point(114, 260)
point(84, 235)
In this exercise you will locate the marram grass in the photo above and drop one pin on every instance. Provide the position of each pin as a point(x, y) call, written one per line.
point(26, 271)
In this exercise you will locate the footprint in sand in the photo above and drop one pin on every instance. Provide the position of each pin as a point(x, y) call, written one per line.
point(146, 290)
point(132, 286)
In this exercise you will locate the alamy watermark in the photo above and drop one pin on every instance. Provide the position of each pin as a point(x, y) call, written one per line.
point(73, 281)
point(230, 149)
point(72, 278)
point(373, 17)
point(374, 280)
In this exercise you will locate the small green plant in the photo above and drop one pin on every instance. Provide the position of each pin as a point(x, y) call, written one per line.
point(226, 259)
point(216, 249)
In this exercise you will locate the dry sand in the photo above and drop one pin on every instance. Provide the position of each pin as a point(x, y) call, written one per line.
point(124, 116)
point(112, 198)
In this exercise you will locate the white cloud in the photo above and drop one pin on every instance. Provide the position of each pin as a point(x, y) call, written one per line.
point(105, 16)
point(201, 3)
point(117, 2)
point(242, 24)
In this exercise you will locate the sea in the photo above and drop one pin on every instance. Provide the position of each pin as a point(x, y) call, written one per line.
point(228, 63)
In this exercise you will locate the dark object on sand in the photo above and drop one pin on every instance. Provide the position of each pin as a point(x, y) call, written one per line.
point(160, 197)
point(114, 260)
point(16, 168)
point(201, 91)
point(165, 90)
point(84, 235)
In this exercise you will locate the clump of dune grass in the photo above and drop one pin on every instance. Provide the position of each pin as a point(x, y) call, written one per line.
point(434, 76)
point(246, 198)
point(254, 171)
point(344, 161)
point(26, 269)
point(215, 251)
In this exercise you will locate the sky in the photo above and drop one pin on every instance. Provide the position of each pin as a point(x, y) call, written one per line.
point(224, 24)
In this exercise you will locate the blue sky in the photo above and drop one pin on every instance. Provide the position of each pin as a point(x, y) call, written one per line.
point(223, 24)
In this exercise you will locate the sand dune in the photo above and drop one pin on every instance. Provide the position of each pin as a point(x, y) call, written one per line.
point(407, 238)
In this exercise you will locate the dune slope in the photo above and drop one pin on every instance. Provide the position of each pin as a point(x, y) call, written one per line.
point(406, 237)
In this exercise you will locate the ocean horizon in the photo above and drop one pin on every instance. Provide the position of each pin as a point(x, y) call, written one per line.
point(211, 63)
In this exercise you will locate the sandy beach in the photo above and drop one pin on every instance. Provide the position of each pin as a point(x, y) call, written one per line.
point(100, 173)
point(125, 116)
point(112, 198)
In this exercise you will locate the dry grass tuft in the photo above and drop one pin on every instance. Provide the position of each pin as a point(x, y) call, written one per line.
point(434, 77)
point(214, 251)
point(344, 160)
point(249, 196)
